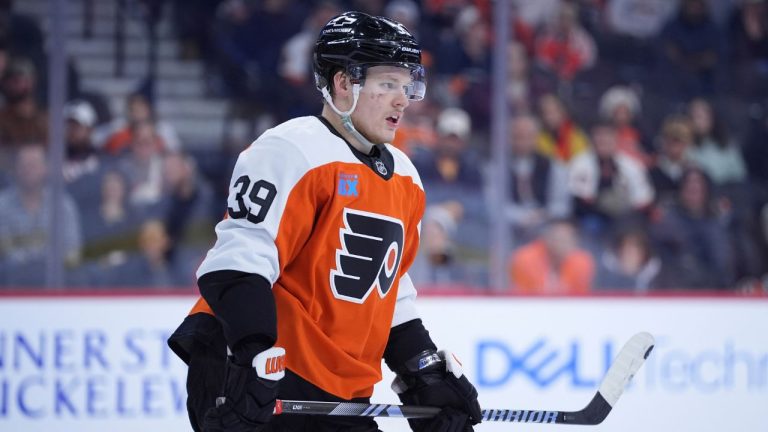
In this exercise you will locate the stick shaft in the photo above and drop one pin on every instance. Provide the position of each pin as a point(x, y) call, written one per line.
point(625, 365)
point(356, 409)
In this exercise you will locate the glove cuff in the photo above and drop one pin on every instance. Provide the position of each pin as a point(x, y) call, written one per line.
point(419, 371)
point(426, 361)
point(406, 341)
point(270, 364)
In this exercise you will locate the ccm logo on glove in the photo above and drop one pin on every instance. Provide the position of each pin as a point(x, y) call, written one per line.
point(270, 364)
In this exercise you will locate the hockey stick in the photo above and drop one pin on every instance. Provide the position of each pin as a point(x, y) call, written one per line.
point(625, 365)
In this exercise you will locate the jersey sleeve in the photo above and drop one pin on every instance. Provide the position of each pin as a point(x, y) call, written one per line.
point(405, 307)
point(262, 181)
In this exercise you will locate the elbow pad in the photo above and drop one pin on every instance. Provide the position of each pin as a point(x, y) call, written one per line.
point(245, 306)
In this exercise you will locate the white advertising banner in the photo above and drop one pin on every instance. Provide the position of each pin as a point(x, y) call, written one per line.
point(91, 364)
point(102, 364)
point(708, 372)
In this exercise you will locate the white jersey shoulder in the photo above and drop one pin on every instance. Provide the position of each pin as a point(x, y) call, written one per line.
point(309, 137)
point(264, 176)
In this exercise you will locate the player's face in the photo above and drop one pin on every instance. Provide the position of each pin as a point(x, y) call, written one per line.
point(382, 102)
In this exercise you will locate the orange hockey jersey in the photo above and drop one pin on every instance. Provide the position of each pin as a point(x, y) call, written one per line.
point(335, 237)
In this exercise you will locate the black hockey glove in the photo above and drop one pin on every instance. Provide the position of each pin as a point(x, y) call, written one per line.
point(435, 379)
point(249, 394)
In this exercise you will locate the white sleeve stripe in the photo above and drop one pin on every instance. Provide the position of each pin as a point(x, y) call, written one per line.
point(405, 308)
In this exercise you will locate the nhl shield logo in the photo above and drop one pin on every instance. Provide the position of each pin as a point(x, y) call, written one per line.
point(380, 167)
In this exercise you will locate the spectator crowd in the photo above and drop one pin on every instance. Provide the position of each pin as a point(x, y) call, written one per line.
point(638, 144)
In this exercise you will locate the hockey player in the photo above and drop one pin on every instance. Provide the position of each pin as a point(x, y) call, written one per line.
point(306, 288)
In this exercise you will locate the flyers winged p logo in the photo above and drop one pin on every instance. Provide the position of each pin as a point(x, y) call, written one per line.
point(370, 254)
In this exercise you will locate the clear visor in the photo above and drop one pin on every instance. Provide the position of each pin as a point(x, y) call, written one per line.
point(391, 78)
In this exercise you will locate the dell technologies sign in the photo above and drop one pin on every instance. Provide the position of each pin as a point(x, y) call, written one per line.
point(542, 363)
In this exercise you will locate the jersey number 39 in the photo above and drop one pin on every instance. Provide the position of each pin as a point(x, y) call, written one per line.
point(260, 193)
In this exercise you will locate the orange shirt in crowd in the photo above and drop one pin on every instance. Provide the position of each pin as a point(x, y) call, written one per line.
point(118, 141)
point(531, 271)
point(121, 139)
point(409, 136)
point(628, 141)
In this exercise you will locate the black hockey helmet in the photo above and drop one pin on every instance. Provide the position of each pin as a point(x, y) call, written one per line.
point(354, 41)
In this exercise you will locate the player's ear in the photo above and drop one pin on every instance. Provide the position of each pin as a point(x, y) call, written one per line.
point(341, 82)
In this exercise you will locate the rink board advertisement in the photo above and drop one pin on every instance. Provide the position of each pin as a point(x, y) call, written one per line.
point(101, 363)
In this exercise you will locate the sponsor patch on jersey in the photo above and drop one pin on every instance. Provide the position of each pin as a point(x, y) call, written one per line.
point(347, 185)
point(370, 254)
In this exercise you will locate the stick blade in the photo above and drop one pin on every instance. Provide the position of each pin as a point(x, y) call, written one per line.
point(627, 363)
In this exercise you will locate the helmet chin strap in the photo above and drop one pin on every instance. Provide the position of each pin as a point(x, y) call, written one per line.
point(346, 116)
